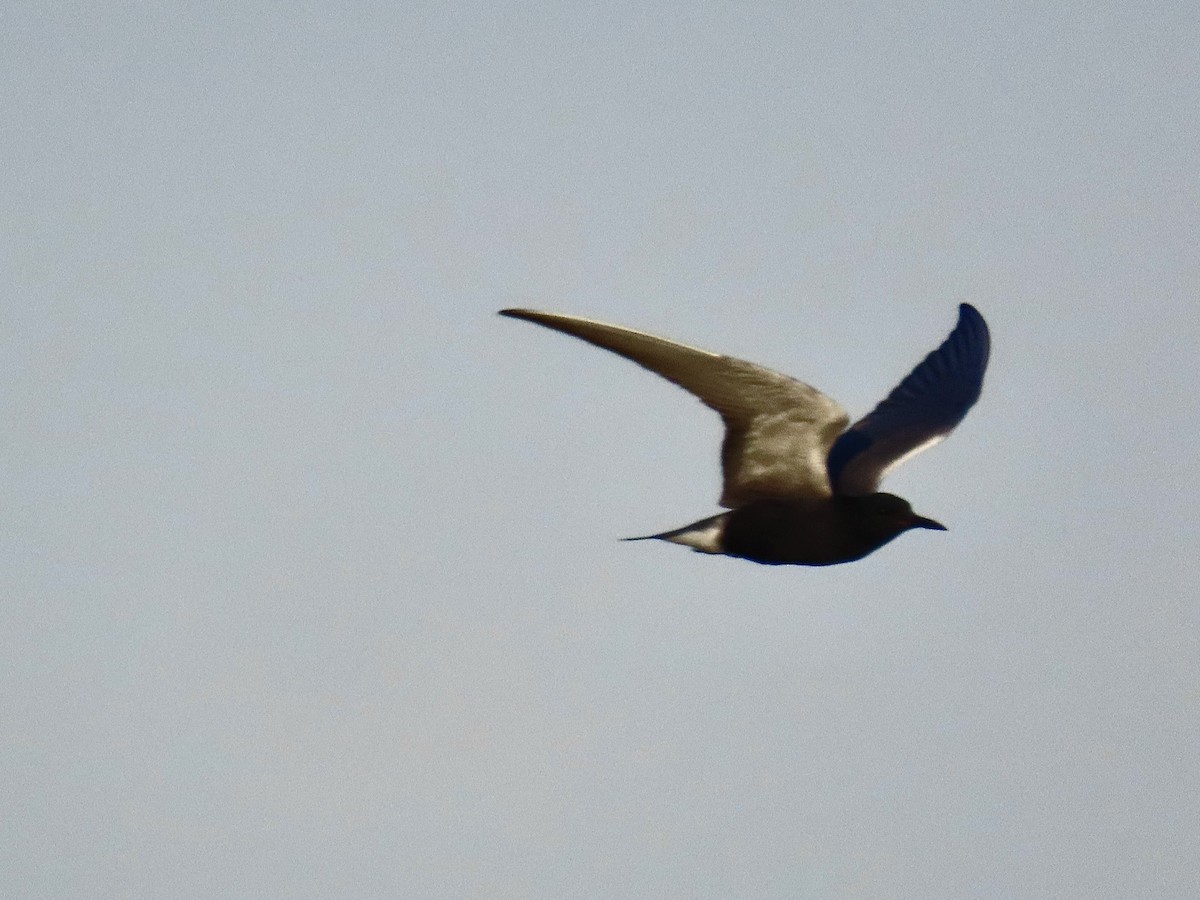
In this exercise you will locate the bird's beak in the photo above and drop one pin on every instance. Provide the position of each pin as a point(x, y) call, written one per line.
point(922, 522)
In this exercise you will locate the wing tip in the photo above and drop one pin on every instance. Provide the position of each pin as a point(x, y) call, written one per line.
point(971, 317)
point(972, 331)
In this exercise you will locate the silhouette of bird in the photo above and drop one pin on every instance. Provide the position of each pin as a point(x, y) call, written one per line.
point(802, 488)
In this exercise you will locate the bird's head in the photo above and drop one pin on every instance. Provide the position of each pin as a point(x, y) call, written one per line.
point(887, 515)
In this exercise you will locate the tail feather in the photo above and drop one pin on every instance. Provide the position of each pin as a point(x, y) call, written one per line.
point(703, 536)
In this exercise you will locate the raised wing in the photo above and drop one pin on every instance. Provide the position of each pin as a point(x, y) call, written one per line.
point(919, 413)
point(778, 430)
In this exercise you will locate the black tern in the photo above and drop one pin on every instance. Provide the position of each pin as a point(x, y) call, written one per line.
point(802, 488)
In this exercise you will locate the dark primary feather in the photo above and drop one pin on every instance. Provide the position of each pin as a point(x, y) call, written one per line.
point(920, 411)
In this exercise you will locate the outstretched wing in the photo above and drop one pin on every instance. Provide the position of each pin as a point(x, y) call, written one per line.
point(919, 413)
point(778, 431)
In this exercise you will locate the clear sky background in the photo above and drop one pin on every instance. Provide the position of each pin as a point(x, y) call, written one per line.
point(309, 566)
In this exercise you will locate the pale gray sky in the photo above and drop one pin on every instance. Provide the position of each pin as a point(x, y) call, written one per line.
point(309, 566)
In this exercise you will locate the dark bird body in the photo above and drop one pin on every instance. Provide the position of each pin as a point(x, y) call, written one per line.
point(801, 487)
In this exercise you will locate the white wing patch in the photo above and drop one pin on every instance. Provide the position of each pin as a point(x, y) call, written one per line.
point(907, 455)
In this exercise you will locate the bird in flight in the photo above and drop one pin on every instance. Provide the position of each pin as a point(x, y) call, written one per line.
point(802, 488)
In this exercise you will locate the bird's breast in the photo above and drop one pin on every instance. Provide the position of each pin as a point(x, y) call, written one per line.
point(791, 533)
